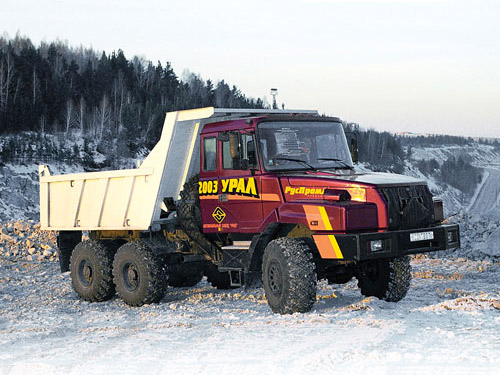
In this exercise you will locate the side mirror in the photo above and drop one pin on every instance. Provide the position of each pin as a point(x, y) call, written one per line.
point(354, 151)
point(352, 140)
point(234, 145)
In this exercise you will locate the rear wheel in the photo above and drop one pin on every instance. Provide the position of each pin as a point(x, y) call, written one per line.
point(387, 279)
point(289, 276)
point(138, 274)
point(91, 264)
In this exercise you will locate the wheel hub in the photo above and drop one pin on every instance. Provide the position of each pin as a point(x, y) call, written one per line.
point(131, 276)
point(274, 278)
point(86, 272)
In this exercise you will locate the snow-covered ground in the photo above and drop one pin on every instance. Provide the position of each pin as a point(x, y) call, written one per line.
point(447, 324)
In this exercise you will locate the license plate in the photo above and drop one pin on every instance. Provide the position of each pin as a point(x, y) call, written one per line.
point(421, 236)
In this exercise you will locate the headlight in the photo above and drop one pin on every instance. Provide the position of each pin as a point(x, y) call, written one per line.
point(376, 245)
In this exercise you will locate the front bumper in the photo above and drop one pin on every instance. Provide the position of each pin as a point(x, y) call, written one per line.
point(359, 247)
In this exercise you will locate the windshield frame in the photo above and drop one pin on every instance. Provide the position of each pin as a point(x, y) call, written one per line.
point(346, 163)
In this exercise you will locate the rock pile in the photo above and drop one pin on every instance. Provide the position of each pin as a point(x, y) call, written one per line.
point(25, 240)
point(479, 236)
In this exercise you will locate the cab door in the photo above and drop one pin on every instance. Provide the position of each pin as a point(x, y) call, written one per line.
point(239, 187)
point(209, 181)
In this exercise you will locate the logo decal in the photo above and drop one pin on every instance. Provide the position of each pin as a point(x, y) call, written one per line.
point(218, 215)
point(232, 186)
point(304, 191)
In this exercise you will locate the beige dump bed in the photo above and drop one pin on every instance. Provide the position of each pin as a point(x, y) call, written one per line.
point(131, 199)
point(127, 199)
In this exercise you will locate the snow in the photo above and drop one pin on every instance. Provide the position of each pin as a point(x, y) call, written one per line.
point(446, 324)
point(485, 203)
point(477, 153)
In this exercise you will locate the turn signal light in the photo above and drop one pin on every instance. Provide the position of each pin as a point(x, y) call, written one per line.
point(357, 194)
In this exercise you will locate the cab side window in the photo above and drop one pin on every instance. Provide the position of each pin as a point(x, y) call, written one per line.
point(210, 154)
point(238, 151)
point(227, 160)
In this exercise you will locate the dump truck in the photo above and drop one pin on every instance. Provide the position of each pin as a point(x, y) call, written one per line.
point(245, 197)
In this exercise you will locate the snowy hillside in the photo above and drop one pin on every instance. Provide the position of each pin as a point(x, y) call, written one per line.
point(479, 154)
point(455, 201)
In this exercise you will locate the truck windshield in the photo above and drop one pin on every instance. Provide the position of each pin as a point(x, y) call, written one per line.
point(303, 145)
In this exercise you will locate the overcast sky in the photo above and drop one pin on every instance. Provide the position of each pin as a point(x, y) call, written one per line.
point(415, 65)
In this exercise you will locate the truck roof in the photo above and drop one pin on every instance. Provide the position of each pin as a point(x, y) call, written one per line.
point(241, 119)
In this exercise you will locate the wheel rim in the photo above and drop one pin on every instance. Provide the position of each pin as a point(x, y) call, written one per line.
point(86, 272)
point(274, 278)
point(131, 276)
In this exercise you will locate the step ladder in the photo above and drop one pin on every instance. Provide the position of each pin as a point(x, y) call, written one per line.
point(232, 254)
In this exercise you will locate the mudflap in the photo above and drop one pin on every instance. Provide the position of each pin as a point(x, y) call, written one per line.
point(66, 242)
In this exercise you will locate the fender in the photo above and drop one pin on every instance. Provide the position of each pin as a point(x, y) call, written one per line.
point(314, 215)
point(253, 271)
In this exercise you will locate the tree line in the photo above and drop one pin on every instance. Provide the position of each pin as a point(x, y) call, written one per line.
point(53, 88)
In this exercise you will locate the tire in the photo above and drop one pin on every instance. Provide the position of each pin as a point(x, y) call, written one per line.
point(219, 280)
point(188, 209)
point(91, 276)
point(289, 276)
point(185, 275)
point(138, 274)
point(386, 279)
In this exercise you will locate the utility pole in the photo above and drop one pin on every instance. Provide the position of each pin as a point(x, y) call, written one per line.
point(274, 92)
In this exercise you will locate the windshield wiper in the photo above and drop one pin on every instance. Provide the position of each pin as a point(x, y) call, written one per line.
point(298, 161)
point(344, 164)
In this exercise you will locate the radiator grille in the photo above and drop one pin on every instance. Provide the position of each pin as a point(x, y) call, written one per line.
point(409, 207)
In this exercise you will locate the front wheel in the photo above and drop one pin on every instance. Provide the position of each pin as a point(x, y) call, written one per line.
point(289, 276)
point(138, 274)
point(386, 279)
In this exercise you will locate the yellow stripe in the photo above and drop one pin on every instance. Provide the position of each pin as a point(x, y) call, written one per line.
point(324, 216)
point(335, 245)
point(191, 148)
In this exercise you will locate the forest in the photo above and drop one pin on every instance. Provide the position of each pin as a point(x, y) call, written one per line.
point(54, 88)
